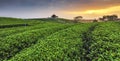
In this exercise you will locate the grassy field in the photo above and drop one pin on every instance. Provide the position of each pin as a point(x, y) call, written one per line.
point(58, 40)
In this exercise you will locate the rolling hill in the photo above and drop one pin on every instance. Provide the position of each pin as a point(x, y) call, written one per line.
point(58, 40)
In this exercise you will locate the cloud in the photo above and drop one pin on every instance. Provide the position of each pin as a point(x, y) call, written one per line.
point(95, 13)
point(61, 7)
point(79, 5)
point(24, 3)
point(61, 4)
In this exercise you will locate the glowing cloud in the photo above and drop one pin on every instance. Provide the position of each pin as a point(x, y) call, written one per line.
point(99, 12)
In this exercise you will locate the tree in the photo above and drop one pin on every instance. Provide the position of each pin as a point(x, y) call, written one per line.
point(54, 16)
point(78, 18)
point(114, 17)
point(101, 19)
point(110, 17)
point(95, 20)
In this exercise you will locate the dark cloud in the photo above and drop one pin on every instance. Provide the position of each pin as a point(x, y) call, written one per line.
point(11, 6)
point(24, 3)
point(58, 3)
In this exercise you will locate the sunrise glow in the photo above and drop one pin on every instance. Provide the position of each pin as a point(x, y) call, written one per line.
point(98, 12)
point(62, 8)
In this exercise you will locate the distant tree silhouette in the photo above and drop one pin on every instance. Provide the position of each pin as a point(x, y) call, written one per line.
point(54, 16)
point(110, 17)
point(95, 20)
point(114, 17)
point(78, 18)
point(101, 19)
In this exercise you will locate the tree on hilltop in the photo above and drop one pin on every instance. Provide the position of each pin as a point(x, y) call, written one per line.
point(78, 18)
point(54, 16)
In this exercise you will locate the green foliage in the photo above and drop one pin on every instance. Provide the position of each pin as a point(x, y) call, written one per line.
point(11, 22)
point(105, 43)
point(65, 45)
point(11, 31)
point(14, 43)
point(58, 40)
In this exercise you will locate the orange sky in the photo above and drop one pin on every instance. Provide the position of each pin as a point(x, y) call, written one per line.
point(92, 9)
point(95, 13)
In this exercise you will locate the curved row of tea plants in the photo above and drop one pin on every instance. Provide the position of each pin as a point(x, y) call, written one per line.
point(13, 25)
point(12, 44)
point(65, 45)
point(20, 30)
point(11, 21)
point(105, 43)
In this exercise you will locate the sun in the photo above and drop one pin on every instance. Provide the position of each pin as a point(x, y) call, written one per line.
point(90, 12)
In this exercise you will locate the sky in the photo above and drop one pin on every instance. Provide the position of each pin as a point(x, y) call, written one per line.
point(89, 9)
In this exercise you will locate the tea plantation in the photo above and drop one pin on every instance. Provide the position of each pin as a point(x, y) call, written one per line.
point(58, 40)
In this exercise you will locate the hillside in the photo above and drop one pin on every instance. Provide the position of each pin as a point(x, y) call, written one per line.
point(58, 40)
